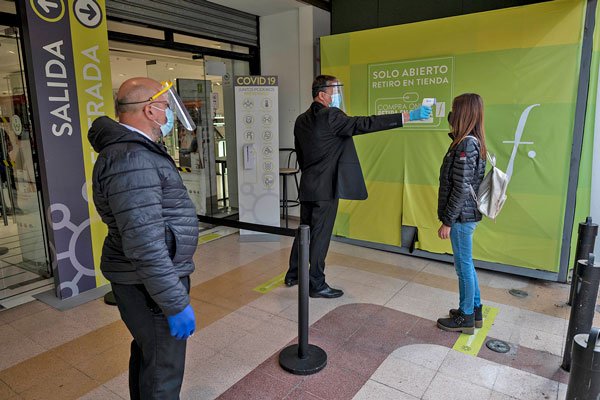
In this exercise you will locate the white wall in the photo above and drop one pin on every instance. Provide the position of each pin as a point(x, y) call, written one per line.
point(321, 27)
point(287, 50)
point(279, 56)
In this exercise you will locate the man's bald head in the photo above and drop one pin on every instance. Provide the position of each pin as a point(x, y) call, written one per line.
point(135, 90)
point(135, 108)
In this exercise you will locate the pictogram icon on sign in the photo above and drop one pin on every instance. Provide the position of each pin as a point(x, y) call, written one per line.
point(48, 10)
point(17, 126)
point(88, 13)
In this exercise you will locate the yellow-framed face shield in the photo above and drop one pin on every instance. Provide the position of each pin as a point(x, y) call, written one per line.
point(175, 104)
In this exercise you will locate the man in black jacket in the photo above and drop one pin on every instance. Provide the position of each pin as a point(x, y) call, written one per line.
point(152, 235)
point(331, 170)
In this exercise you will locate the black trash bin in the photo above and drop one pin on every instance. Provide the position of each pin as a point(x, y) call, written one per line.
point(584, 382)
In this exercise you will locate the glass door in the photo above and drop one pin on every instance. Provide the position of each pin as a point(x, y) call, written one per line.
point(23, 254)
point(220, 72)
point(193, 151)
point(207, 156)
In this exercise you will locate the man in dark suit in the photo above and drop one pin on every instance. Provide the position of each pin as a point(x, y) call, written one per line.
point(331, 170)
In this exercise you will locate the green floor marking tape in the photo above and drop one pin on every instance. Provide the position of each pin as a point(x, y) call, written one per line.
point(208, 238)
point(471, 344)
point(270, 284)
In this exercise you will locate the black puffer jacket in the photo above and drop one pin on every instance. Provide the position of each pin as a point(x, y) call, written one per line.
point(152, 223)
point(462, 167)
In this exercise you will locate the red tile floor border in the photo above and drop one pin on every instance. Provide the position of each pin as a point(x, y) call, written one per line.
point(357, 339)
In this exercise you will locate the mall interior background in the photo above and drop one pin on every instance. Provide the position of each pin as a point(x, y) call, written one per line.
point(288, 47)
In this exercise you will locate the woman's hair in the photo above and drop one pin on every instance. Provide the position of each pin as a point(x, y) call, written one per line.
point(467, 118)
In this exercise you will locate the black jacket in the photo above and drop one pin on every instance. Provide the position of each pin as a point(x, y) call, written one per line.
point(152, 223)
point(462, 166)
point(326, 154)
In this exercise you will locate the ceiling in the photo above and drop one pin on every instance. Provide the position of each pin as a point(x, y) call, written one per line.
point(125, 64)
point(260, 7)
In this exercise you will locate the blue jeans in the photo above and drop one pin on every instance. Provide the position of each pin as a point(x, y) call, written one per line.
point(461, 236)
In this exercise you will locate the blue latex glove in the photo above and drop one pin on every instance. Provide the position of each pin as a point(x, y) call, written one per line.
point(423, 112)
point(183, 324)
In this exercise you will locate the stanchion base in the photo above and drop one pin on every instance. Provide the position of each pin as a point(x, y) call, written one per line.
point(315, 361)
point(109, 298)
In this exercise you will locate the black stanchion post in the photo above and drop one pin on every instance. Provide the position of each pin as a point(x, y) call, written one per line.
point(303, 287)
point(584, 304)
point(586, 239)
point(285, 202)
point(303, 358)
point(584, 380)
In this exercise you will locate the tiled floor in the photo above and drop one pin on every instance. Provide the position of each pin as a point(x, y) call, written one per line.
point(17, 277)
point(384, 353)
point(380, 336)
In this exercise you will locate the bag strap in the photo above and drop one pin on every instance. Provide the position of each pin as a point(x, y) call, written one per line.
point(491, 159)
point(473, 194)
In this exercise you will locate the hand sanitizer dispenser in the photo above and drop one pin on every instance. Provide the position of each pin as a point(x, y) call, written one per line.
point(249, 156)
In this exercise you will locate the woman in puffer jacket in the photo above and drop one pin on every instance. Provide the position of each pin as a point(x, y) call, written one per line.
point(461, 174)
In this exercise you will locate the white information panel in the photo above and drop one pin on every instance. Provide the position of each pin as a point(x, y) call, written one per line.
point(257, 130)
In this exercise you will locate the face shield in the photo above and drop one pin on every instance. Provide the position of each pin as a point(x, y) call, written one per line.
point(337, 94)
point(176, 105)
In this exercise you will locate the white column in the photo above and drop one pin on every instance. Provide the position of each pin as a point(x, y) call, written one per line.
point(287, 45)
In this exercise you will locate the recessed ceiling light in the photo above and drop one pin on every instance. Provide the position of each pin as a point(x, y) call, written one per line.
point(121, 74)
point(11, 52)
point(171, 68)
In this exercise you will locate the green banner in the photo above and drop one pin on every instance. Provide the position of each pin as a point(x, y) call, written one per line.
point(524, 62)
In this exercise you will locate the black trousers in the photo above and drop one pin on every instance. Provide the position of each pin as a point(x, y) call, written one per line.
point(157, 359)
point(320, 216)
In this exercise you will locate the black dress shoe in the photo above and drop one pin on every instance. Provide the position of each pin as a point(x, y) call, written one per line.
point(291, 282)
point(326, 293)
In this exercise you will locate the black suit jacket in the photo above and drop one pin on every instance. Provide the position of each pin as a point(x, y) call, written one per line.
point(326, 153)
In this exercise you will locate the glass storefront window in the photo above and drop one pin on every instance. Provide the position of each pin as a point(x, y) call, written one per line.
point(8, 6)
point(206, 157)
point(23, 254)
